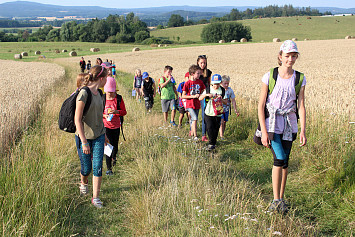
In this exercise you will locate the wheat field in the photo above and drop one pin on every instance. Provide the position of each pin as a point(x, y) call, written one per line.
point(327, 64)
point(23, 85)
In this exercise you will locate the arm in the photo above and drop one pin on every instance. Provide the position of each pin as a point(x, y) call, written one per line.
point(261, 114)
point(174, 88)
point(134, 80)
point(203, 96)
point(122, 111)
point(302, 114)
point(234, 104)
point(162, 85)
point(80, 126)
point(184, 96)
point(155, 90)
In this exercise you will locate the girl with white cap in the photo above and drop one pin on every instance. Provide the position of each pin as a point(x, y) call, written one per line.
point(282, 88)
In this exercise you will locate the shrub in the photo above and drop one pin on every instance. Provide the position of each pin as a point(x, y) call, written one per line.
point(154, 40)
point(226, 31)
point(160, 27)
point(141, 35)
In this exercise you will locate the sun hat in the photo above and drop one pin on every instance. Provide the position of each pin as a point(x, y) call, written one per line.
point(106, 65)
point(289, 46)
point(110, 85)
point(145, 75)
point(187, 74)
point(216, 79)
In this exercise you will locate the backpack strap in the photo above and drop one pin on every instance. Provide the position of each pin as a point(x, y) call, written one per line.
point(298, 82)
point(119, 99)
point(273, 78)
point(88, 100)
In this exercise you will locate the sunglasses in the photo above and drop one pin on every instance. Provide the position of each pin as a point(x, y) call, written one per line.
point(202, 56)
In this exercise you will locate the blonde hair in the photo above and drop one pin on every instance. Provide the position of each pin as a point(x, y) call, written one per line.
point(94, 74)
point(226, 78)
point(136, 72)
point(80, 78)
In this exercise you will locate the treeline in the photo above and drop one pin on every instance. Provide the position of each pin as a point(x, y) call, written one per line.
point(270, 11)
point(113, 29)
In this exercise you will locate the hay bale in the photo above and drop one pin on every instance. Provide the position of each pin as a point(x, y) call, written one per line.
point(153, 45)
point(18, 56)
point(159, 45)
point(57, 51)
point(306, 39)
point(135, 49)
point(276, 40)
point(64, 51)
point(165, 45)
point(37, 52)
point(94, 49)
point(24, 54)
point(73, 53)
point(294, 39)
point(221, 41)
point(243, 40)
point(234, 41)
point(349, 37)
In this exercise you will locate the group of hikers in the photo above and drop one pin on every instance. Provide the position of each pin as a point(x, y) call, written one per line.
point(281, 103)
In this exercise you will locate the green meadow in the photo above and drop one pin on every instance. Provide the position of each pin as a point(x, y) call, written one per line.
point(264, 30)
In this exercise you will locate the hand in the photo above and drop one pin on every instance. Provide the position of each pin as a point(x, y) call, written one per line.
point(303, 139)
point(197, 95)
point(86, 148)
point(265, 140)
point(237, 113)
point(209, 95)
point(106, 140)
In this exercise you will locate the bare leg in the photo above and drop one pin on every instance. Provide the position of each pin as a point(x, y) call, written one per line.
point(276, 181)
point(180, 119)
point(222, 128)
point(173, 115)
point(165, 114)
point(84, 179)
point(283, 182)
point(194, 128)
point(96, 185)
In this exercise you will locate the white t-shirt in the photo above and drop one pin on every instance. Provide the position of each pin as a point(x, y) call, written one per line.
point(283, 97)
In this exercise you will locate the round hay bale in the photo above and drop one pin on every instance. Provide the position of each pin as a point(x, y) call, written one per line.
point(153, 45)
point(348, 37)
point(135, 49)
point(294, 39)
point(94, 49)
point(37, 52)
point(73, 53)
point(24, 54)
point(234, 41)
point(306, 39)
point(276, 40)
point(221, 41)
point(159, 45)
point(243, 40)
point(64, 51)
point(18, 56)
point(57, 51)
point(165, 45)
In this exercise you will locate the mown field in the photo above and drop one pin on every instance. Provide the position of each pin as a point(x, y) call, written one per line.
point(264, 30)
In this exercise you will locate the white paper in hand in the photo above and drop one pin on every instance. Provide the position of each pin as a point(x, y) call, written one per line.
point(108, 149)
point(133, 92)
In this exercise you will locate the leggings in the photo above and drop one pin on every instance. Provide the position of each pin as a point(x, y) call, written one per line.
point(94, 159)
point(203, 117)
point(281, 151)
point(113, 135)
point(212, 125)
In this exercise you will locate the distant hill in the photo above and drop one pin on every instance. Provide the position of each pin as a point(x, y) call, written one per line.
point(26, 9)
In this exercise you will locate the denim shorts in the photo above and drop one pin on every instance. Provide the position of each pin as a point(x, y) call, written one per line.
point(225, 116)
point(193, 113)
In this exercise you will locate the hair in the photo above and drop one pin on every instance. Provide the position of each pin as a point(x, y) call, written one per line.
point(94, 74)
point(226, 78)
point(167, 67)
point(278, 58)
point(136, 72)
point(193, 69)
point(204, 71)
point(106, 60)
point(111, 61)
point(98, 61)
point(89, 61)
point(80, 79)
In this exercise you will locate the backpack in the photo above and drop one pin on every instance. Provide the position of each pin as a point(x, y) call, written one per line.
point(67, 111)
point(159, 88)
point(208, 90)
point(272, 82)
point(119, 99)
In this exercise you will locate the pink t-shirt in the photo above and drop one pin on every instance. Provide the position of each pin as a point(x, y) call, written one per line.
point(283, 97)
point(115, 122)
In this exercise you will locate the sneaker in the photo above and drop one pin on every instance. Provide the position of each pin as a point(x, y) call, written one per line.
point(274, 205)
point(84, 189)
point(109, 172)
point(196, 139)
point(204, 139)
point(173, 123)
point(97, 202)
point(283, 207)
point(211, 147)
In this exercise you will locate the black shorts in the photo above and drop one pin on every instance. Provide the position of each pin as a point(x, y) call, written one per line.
point(182, 110)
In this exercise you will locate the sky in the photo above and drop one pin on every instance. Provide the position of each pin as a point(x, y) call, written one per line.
point(201, 3)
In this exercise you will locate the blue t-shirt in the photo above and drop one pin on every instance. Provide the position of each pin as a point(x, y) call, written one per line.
point(179, 89)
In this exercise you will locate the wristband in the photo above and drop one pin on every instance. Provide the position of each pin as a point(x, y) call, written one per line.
point(86, 144)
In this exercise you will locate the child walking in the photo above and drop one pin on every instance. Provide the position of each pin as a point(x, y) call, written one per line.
point(137, 84)
point(192, 90)
point(212, 120)
point(90, 131)
point(278, 122)
point(182, 102)
point(168, 94)
point(149, 91)
point(230, 97)
point(114, 109)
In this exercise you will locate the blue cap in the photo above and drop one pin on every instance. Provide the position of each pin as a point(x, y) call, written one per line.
point(145, 75)
point(216, 79)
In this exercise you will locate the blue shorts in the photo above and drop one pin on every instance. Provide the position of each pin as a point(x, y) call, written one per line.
point(225, 116)
point(281, 150)
point(193, 113)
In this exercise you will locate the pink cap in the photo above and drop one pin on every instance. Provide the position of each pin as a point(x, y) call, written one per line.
point(110, 85)
point(289, 47)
